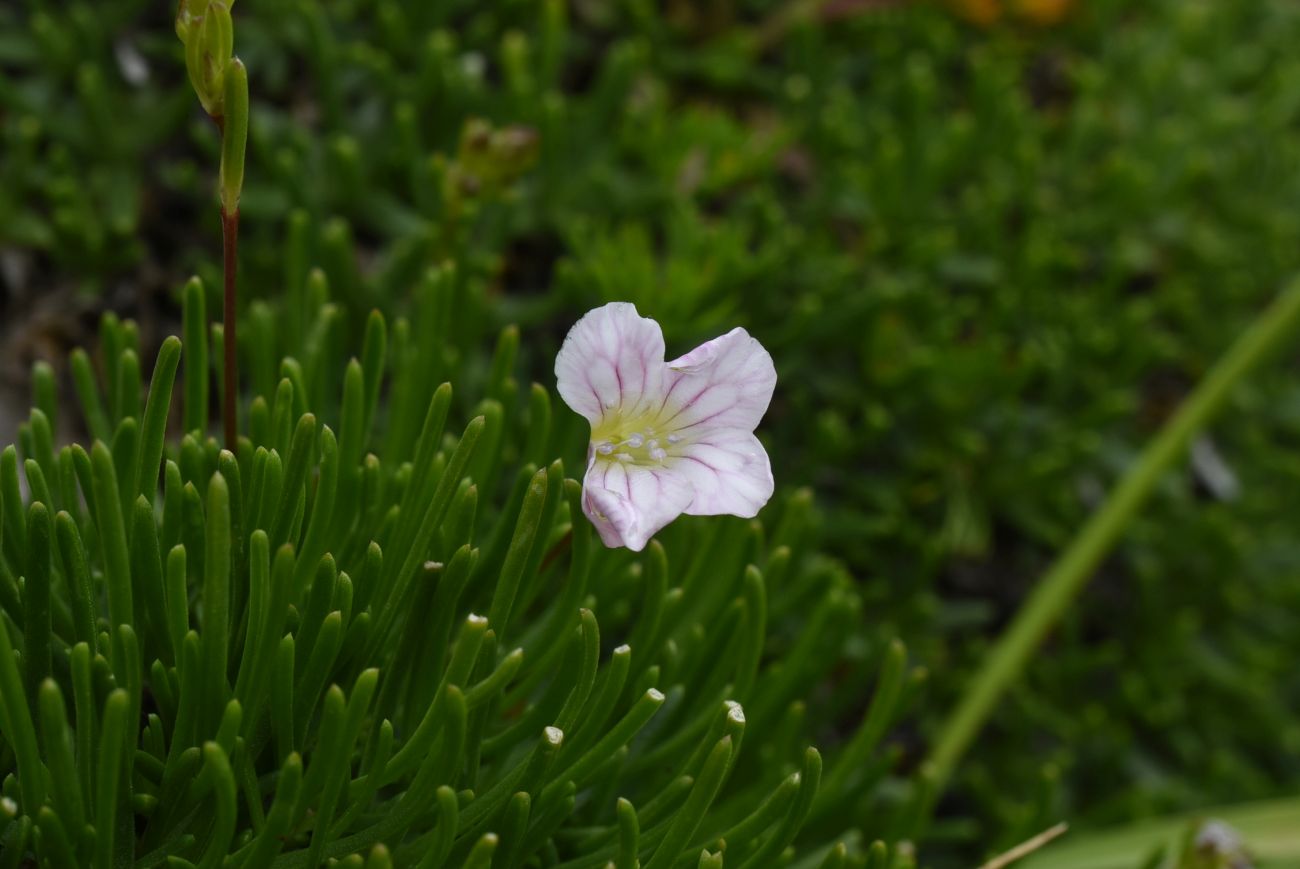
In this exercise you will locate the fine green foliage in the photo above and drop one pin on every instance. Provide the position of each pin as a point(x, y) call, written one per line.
point(302, 650)
point(988, 262)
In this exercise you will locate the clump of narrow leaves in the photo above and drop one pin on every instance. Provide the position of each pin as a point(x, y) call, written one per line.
point(300, 651)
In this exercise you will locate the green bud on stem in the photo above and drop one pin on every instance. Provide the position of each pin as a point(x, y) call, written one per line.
point(208, 32)
point(234, 137)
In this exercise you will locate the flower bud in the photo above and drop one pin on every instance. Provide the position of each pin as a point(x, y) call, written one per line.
point(234, 137)
point(209, 39)
point(188, 15)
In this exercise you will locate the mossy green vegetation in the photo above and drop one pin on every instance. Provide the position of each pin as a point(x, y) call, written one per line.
point(298, 651)
point(989, 263)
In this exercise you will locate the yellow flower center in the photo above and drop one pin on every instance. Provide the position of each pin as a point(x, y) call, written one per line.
point(639, 439)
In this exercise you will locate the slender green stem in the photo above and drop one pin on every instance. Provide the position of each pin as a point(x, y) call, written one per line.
point(20, 731)
point(233, 124)
point(216, 603)
point(107, 796)
point(1063, 582)
point(230, 261)
point(687, 820)
point(112, 535)
point(194, 327)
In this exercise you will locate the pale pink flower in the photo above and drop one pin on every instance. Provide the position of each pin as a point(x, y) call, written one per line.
point(667, 438)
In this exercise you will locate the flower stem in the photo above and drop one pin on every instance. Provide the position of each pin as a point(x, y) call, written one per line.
point(230, 260)
point(233, 123)
point(1067, 577)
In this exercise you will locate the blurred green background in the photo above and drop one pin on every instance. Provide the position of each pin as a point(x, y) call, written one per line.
point(990, 245)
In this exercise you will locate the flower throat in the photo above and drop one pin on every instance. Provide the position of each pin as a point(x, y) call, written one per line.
point(643, 446)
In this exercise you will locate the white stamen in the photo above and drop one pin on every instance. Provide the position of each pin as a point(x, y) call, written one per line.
point(604, 448)
point(658, 454)
point(635, 440)
point(673, 438)
point(652, 443)
point(623, 456)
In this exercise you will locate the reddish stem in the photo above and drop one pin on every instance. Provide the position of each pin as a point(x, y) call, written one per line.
point(230, 259)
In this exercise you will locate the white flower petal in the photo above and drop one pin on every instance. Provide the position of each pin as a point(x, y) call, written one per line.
point(611, 360)
point(629, 503)
point(667, 438)
point(725, 383)
point(729, 472)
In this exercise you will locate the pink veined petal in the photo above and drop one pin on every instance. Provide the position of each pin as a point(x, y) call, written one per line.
point(612, 361)
point(725, 383)
point(729, 472)
point(629, 503)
